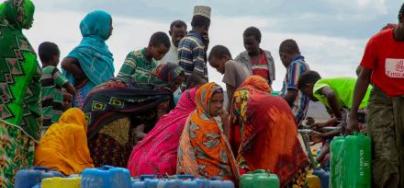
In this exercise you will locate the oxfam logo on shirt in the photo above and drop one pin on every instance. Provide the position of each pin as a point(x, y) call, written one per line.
point(394, 68)
point(400, 66)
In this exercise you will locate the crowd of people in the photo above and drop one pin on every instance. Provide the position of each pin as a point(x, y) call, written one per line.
point(161, 115)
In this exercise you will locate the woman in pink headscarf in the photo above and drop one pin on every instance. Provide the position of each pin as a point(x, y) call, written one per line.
point(157, 152)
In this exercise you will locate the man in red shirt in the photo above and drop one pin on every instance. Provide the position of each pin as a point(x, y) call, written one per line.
point(258, 61)
point(383, 67)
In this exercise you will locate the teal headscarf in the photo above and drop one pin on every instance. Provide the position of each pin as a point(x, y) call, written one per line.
point(93, 54)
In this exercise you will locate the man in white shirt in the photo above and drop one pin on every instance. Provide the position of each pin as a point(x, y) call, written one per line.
point(178, 30)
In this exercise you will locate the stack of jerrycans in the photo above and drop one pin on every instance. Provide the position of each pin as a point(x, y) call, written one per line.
point(351, 162)
point(179, 181)
point(259, 179)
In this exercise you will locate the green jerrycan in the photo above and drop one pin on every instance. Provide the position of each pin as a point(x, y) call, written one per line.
point(337, 151)
point(259, 179)
point(357, 157)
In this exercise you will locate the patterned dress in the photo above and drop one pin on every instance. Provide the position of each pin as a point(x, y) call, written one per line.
point(204, 150)
point(157, 152)
point(19, 90)
point(268, 133)
point(115, 110)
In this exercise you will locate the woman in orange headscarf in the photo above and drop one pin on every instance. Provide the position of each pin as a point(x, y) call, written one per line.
point(268, 134)
point(204, 150)
point(64, 145)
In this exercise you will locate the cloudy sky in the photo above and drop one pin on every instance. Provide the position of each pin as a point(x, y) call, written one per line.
point(331, 33)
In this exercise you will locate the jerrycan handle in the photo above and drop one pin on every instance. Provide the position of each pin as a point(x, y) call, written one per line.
point(45, 169)
point(144, 177)
point(357, 133)
point(216, 178)
point(259, 171)
point(185, 176)
point(41, 168)
point(106, 167)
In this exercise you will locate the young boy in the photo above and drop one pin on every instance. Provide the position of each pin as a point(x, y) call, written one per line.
point(178, 30)
point(295, 65)
point(336, 95)
point(139, 65)
point(53, 83)
point(233, 73)
point(257, 60)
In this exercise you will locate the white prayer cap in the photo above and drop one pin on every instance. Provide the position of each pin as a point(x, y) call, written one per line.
point(202, 11)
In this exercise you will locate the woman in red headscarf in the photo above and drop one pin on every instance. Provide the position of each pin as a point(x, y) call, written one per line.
point(268, 134)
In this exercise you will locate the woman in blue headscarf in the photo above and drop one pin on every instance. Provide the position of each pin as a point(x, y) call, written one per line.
point(90, 63)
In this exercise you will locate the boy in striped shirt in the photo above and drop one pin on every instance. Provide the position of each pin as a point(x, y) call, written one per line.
point(53, 85)
point(295, 66)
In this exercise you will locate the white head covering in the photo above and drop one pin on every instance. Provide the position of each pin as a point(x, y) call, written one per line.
point(202, 11)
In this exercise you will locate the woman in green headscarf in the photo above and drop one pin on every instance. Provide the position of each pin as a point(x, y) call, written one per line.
point(19, 90)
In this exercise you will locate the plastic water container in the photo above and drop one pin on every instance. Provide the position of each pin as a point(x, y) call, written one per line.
point(28, 178)
point(140, 182)
point(351, 162)
point(179, 181)
point(313, 181)
point(59, 182)
point(337, 152)
point(220, 184)
point(259, 179)
point(105, 177)
point(324, 177)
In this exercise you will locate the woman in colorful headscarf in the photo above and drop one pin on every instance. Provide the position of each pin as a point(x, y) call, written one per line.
point(269, 138)
point(157, 152)
point(204, 150)
point(19, 90)
point(90, 63)
point(64, 145)
point(118, 113)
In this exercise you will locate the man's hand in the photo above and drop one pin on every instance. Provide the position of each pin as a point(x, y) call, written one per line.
point(316, 137)
point(353, 125)
point(226, 122)
point(316, 126)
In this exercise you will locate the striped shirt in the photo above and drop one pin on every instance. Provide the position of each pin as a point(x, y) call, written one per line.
point(52, 82)
point(294, 71)
point(138, 69)
point(192, 55)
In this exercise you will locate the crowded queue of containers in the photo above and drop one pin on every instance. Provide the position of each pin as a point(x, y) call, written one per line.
point(108, 177)
point(350, 168)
